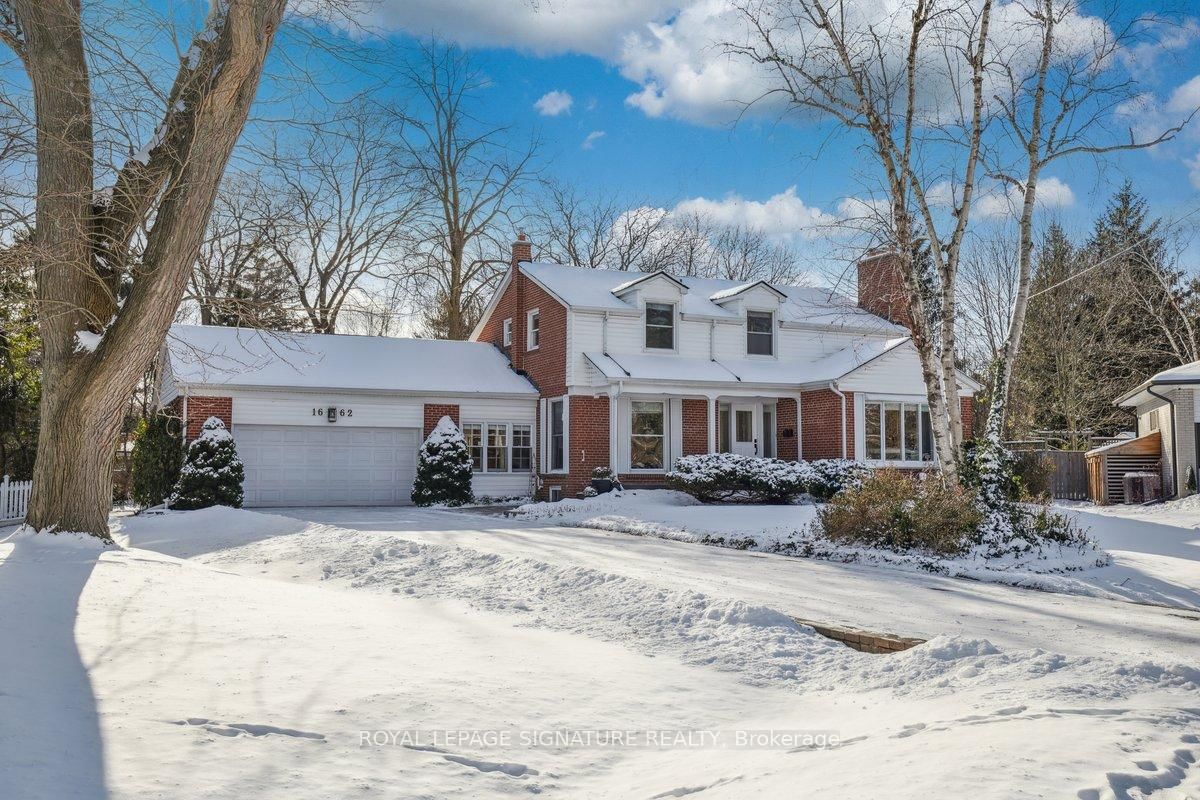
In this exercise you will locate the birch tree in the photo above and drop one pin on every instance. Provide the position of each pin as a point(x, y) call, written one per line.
point(95, 350)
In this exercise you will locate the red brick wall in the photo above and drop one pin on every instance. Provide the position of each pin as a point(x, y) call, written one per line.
point(546, 366)
point(200, 409)
point(821, 424)
point(695, 427)
point(881, 288)
point(968, 417)
point(433, 414)
point(587, 442)
point(785, 418)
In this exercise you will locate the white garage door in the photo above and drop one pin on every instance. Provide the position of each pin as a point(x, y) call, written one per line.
point(334, 466)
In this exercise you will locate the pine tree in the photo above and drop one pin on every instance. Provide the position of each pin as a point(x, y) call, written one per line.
point(157, 458)
point(213, 473)
point(443, 468)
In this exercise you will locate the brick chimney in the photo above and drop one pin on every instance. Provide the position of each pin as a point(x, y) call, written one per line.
point(522, 249)
point(881, 287)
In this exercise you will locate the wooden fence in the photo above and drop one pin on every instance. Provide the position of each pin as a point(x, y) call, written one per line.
point(14, 499)
point(1069, 478)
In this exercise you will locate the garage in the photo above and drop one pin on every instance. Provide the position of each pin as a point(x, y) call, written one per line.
point(296, 465)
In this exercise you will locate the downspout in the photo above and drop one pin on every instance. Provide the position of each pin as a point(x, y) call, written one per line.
point(833, 387)
point(799, 419)
point(1174, 443)
point(604, 334)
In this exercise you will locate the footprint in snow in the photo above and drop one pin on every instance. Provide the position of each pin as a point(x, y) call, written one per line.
point(232, 729)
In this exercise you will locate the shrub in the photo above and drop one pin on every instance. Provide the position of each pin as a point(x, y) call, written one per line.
point(1032, 472)
point(212, 475)
point(833, 475)
point(732, 478)
point(894, 511)
point(603, 474)
point(443, 467)
point(156, 460)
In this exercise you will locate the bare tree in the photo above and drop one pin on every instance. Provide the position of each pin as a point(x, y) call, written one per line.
point(340, 209)
point(238, 280)
point(467, 173)
point(902, 80)
point(986, 294)
point(568, 227)
point(94, 350)
point(1062, 107)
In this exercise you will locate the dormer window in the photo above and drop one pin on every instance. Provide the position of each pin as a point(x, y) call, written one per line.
point(760, 333)
point(660, 326)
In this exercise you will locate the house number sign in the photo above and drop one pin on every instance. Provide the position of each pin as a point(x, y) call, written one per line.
point(332, 413)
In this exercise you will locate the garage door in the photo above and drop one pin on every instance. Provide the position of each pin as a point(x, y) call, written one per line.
point(334, 466)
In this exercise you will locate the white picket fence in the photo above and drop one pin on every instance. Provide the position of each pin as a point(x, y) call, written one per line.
point(14, 499)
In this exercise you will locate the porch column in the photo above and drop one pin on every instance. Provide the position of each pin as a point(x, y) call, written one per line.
point(712, 424)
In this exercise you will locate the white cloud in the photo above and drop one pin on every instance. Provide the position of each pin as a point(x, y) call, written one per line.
point(1193, 165)
point(551, 104)
point(780, 216)
point(1186, 98)
point(994, 201)
point(590, 140)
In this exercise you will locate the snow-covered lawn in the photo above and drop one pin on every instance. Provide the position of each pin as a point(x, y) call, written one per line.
point(232, 654)
point(1150, 563)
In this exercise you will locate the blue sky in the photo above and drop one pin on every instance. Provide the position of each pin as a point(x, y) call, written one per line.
point(649, 88)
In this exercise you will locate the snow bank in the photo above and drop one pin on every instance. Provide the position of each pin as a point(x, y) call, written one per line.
point(789, 530)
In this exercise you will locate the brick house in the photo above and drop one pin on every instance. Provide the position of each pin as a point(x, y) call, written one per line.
point(633, 370)
point(569, 369)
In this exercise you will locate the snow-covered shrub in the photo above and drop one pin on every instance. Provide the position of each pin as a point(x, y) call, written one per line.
point(603, 474)
point(156, 460)
point(443, 467)
point(212, 474)
point(732, 478)
point(833, 475)
point(895, 511)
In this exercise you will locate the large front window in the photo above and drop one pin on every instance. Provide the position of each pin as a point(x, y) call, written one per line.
point(646, 442)
point(499, 446)
point(660, 326)
point(896, 431)
point(760, 333)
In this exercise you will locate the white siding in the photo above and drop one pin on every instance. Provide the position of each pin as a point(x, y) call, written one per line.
point(897, 372)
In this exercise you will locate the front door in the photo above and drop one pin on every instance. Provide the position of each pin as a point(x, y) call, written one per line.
point(745, 429)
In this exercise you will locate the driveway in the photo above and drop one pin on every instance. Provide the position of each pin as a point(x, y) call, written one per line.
point(873, 598)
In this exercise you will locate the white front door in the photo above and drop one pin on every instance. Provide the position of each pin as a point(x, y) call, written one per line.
point(745, 422)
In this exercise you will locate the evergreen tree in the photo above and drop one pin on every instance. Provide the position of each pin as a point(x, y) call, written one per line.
point(157, 458)
point(213, 473)
point(20, 362)
point(443, 468)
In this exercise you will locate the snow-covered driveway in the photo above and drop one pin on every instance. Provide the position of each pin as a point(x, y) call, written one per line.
point(910, 604)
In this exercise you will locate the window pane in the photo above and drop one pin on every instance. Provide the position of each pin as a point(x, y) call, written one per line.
point(660, 326)
point(926, 435)
point(723, 429)
point(891, 431)
point(659, 314)
point(758, 321)
point(760, 336)
point(911, 433)
point(660, 338)
point(474, 438)
point(744, 425)
point(760, 344)
point(874, 432)
point(497, 448)
point(556, 435)
point(646, 452)
point(522, 447)
point(768, 435)
point(647, 419)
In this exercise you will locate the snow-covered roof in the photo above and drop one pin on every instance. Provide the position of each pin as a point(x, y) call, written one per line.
point(733, 291)
point(1181, 375)
point(581, 287)
point(651, 367)
point(202, 355)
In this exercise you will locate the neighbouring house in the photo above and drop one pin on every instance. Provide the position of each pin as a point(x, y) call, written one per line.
point(569, 369)
point(1165, 440)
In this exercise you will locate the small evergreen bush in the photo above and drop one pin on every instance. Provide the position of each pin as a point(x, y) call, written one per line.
point(212, 474)
point(732, 478)
point(156, 460)
point(831, 476)
point(895, 511)
point(443, 468)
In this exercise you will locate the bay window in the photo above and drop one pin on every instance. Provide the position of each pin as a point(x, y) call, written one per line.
point(647, 443)
point(897, 431)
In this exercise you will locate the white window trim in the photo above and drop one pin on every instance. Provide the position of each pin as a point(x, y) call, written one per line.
point(529, 317)
point(508, 438)
point(547, 438)
point(666, 436)
point(507, 335)
point(774, 356)
point(674, 348)
point(860, 430)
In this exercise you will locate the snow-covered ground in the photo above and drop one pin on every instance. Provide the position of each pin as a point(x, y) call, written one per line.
point(1151, 563)
point(233, 654)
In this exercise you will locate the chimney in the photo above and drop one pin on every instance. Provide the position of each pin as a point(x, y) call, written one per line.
point(881, 287)
point(522, 249)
